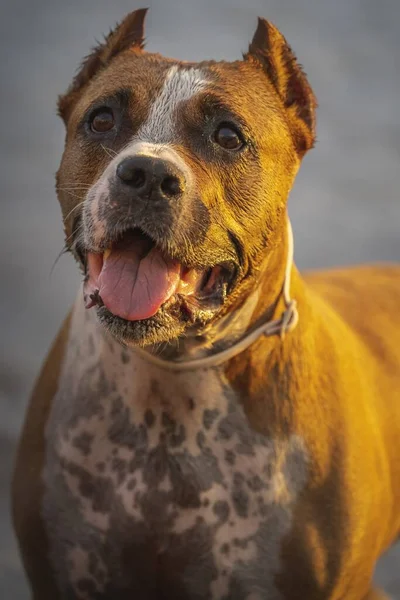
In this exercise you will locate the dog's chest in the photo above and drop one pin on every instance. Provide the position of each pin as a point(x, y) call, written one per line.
point(156, 481)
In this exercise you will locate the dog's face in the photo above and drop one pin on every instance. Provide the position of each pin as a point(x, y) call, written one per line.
point(175, 176)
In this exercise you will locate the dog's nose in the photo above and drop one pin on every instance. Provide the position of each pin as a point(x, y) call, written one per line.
point(151, 177)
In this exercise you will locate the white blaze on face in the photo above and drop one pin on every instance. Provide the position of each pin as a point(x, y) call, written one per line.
point(154, 138)
point(180, 85)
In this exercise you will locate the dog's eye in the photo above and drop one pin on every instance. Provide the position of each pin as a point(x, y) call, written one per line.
point(228, 138)
point(102, 120)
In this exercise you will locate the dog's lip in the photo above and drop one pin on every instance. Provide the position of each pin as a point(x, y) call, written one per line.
point(163, 284)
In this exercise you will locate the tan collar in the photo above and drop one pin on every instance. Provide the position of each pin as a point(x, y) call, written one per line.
point(286, 323)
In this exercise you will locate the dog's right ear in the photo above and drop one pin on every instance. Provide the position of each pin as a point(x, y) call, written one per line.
point(128, 34)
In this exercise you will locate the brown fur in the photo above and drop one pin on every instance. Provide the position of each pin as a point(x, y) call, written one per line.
point(28, 489)
point(129, 35)
point(334, 381)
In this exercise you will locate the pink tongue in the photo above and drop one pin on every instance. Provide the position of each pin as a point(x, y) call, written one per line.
point(133, 285)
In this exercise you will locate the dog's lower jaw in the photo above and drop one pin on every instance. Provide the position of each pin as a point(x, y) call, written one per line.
point(149, 332)
point(177, 334)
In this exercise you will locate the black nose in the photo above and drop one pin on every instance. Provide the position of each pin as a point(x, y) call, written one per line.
point(151, 177)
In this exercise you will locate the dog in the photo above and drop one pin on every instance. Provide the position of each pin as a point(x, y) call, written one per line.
point(209, 423)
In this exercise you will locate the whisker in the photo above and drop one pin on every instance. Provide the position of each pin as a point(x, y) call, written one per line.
point(108, 151)
point(73, 186)
point(76, 231)
point(75, 195)
point(71, 211)
point(65, 250)
point(73, 182)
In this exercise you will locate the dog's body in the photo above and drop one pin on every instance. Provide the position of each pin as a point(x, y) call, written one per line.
point(275, 475)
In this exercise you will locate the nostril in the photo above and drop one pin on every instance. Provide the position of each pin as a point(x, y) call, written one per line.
point(150, 177)
point(138, 178)
point(171, 186)
point(131, 174)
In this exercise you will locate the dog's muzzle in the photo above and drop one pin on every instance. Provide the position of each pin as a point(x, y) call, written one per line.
point(146, 178)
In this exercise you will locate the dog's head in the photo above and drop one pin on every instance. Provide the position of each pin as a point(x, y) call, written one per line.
point(175, 176)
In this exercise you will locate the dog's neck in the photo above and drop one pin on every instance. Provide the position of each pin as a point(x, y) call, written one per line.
point(229, 335)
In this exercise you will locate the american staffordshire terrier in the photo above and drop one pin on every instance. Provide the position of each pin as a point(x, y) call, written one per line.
point(209, 423)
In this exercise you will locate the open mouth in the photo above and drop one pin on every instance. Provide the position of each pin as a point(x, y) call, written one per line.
point(133, 279)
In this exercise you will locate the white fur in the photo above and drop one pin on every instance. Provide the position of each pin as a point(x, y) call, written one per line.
point(180, 85)
point(156, 150)
point(154, 138)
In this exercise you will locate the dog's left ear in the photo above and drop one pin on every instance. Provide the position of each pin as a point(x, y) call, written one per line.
point(270, 50)
point(128, 34)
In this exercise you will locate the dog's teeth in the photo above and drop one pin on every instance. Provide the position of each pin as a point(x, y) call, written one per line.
point(106, 253)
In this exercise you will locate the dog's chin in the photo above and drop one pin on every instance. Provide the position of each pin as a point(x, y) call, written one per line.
point(167, 325)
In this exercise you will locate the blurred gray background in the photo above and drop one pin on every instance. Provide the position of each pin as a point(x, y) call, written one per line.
point(344, 207)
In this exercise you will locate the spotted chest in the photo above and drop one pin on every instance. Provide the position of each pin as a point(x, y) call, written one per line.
point(155, 481)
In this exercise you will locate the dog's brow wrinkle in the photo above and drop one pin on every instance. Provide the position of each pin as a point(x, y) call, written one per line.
point(180, 85)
